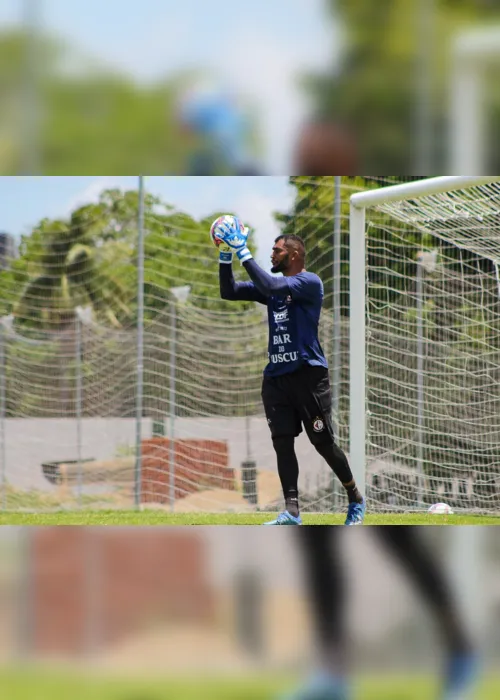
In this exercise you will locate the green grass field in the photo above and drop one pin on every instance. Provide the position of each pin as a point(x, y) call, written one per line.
point(157, 517)
point(46, 685)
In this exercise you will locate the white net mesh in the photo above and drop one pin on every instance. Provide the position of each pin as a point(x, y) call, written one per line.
point(68, 392)
point(433, 350)
point(70, 426)
point(69, 381)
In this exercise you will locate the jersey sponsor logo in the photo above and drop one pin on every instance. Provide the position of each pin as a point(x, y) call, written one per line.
point(280, 316)
point(280, 357)
point(318, 425)
point(281, 339)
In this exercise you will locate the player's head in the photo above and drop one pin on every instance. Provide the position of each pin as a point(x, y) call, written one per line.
point(325, 147)
point(289, 254)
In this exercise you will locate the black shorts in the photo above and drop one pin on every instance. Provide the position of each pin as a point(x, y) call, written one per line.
point(299, 398)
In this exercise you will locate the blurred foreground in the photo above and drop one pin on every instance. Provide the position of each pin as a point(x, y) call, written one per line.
point(402, 86)
point(138, 611)
point(25, 684)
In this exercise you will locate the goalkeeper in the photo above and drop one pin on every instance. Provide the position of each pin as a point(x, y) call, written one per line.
point(296, 388)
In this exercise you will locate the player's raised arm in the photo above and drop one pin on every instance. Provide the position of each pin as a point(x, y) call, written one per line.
point(287, 257)
point(231, 237)
point(229, 288)
point(266, 284)
point(237, 291)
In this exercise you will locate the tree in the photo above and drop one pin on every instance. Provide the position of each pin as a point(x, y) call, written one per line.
point(312, 219)
point(96, 120)
point(83, 261)
point(90, 259)
point(376, 90)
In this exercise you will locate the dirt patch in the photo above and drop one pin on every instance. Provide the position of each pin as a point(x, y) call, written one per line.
point(193, 648)
point(221, 500)
point(225, 501)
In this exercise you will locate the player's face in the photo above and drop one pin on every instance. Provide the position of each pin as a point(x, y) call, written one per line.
point(280, 257)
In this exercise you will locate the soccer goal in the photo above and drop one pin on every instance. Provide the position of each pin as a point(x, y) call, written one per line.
point(425, 343)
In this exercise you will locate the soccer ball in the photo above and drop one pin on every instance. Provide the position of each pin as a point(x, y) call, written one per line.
point(226, 219)
point(440, 509)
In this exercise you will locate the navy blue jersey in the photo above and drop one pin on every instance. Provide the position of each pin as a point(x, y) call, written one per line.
point(293, 308)
point(293, 325)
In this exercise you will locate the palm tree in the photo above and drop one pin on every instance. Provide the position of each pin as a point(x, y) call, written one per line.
point(87, 261)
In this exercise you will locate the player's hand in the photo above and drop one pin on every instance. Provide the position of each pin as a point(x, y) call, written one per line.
point(235, 237)
point(225, 254)
point(225, 251)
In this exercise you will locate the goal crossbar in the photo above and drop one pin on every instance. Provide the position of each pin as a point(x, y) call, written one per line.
point(419, 188)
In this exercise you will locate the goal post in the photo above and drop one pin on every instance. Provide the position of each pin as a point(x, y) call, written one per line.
point(472, 52)
point(459, 215)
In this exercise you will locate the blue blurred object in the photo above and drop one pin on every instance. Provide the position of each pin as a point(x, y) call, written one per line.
point(461, 677)
point(214, 115)
point(322, 686)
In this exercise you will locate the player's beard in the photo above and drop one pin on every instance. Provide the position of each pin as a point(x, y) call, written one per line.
point(281, 266)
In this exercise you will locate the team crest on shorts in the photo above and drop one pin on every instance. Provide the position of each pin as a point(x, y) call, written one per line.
point(318, 425)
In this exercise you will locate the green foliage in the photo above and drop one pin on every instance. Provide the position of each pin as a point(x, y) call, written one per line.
point(84, 261)
point(312, 218)
point(93, 120)
point(376, 93)
point(90, 260)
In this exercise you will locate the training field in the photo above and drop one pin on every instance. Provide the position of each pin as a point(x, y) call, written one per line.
point(149, 390)
point(156, 517)
point(19, 685)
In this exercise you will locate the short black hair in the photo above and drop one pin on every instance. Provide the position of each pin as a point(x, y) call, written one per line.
point(293, 242)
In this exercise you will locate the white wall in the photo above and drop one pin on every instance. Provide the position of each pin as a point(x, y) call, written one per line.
point(32, 441)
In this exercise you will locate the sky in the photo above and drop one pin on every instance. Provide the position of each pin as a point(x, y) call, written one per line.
point(26, 200)
point(276, 43)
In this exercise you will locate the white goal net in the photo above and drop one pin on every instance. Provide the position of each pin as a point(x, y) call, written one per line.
point(431, 360)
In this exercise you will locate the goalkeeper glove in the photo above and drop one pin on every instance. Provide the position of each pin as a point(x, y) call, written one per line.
point(243, 254)
point(217, 230)
point(236, 238)
point(225, 254)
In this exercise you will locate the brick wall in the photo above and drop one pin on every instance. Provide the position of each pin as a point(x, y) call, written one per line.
point(93, 586)
point(199, 464)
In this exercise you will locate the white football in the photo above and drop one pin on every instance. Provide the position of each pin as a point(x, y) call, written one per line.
point(227, 218)
point(440, 509)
